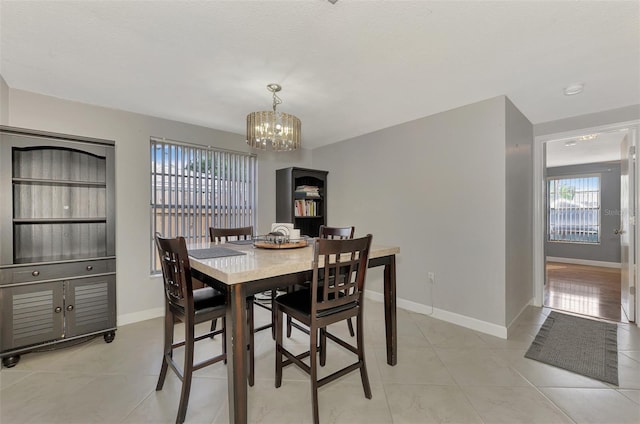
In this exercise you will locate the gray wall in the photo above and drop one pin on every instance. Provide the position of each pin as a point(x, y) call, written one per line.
point(609, 248)
point(436, 187)
point(139, 295)
point(519, 212)
point(4, 102)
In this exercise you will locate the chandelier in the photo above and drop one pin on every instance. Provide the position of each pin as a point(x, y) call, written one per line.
point(278, 131)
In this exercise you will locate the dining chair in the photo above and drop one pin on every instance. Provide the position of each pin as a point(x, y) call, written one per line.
point(191, 307)
point(329, 233)
point(335, 296)
point(218, 235)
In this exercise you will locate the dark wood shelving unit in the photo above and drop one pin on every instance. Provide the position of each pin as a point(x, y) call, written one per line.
point(57, 241)
point(307, 213)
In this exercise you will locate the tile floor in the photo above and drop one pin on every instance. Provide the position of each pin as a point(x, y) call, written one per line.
point(445, 373)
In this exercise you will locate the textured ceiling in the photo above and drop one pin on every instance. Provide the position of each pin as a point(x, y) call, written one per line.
point(346, 69)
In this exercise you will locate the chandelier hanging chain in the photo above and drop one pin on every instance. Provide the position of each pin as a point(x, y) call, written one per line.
point(274, 88)
point(276, 101)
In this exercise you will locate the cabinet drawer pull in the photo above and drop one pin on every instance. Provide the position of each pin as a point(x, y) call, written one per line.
point(35, 273)
point(70, 308)
point(58, 310)
point(89, 267)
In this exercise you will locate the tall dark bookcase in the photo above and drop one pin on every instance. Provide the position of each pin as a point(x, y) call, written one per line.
point(307, 210)
point(57, 240)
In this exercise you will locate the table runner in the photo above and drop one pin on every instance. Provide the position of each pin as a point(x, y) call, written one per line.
point(214, 252)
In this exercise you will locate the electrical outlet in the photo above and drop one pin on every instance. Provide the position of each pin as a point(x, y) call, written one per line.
point(432, 277)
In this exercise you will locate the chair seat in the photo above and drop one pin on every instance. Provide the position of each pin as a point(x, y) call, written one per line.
point(300, 301)
point(307, 286)
point(208, 297)
point(205, 301)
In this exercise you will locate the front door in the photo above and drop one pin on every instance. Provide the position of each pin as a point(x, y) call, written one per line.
point(627, 227)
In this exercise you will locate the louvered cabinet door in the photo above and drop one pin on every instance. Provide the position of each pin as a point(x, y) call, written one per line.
point(31, 314)
point(90, 305)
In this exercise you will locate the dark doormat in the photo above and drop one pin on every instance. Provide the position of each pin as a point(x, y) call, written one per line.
point(580, 345)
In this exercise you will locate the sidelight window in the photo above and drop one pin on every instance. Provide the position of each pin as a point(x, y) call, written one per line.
point(574, 209)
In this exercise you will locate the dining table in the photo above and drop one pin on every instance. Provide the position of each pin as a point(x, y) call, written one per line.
point(241, 269)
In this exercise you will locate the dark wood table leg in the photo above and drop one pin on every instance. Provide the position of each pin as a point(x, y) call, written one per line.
point(237, 354)
point(390, 319)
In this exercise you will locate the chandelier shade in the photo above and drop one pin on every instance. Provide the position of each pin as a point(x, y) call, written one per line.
point(273, 130)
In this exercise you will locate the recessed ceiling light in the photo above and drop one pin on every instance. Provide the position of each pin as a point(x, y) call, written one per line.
point(587, 137)
point(570, 143)
point(574, 89)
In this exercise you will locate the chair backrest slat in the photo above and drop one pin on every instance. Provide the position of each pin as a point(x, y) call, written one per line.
point(336, 232)
point(176, 271)
point(223, 234)
point(344, 265)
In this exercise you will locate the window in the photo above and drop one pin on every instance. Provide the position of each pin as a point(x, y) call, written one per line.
point(574, 209)
point(195, 187)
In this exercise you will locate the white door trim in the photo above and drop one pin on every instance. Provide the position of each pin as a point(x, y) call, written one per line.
point(538, 202)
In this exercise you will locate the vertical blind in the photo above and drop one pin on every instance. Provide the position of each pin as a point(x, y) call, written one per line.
point(196, 187)
point(574, 209)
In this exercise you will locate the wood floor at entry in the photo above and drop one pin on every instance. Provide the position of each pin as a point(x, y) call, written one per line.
point(585, 290)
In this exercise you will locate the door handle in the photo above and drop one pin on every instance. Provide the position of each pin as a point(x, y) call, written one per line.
point(617, 231)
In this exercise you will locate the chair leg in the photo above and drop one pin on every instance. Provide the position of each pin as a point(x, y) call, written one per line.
point(213, 326)
point(278, 325)
point(274, 293)
point(290, 289)
point(364, 376)
point(224, 338)
point(288, 326)
point(187, 372)
point(323, 346)
point(313, 358)
point(167, 349)
point(163, 373)
point(350, 325)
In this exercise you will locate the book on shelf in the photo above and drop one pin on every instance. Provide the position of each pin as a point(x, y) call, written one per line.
point(307, 191)
point(306, 207)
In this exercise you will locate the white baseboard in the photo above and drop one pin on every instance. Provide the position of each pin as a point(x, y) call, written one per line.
point(125, 319)
point(452, 317)
point(510, 327)
point(583, 262)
